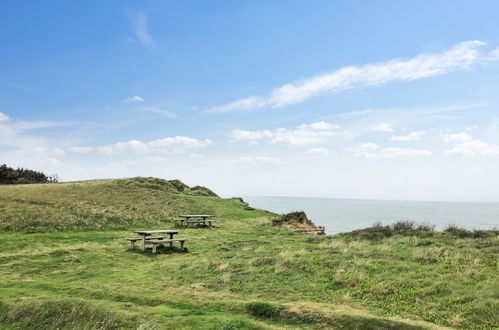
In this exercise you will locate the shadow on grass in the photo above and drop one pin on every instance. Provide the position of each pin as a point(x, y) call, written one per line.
point(160, 251)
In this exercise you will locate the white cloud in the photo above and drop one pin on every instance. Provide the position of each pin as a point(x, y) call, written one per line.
point(80, 150)
point(357, 113)
point(384, 127)
point(177, 144)
point(458, 57)
point(466, 145)
point(3, 117)
point(494, 54)
point(247, 104)
point(302, 135)
point(368, 146)
point(459, 137)
point(138, 22)
point(317, 151)
point(470, 127)
point(413, 136)
point(239, 134)
point(373, 151)
point(17, 86)
point(257, 160)
point(161, 112)
point(133, 99)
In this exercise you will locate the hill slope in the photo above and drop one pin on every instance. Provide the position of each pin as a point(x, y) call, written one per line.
point(57, 271)
point(102, 204)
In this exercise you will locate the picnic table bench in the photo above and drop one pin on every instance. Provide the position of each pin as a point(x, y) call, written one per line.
point(144, 237)
point(157, 243)
point(199, 219)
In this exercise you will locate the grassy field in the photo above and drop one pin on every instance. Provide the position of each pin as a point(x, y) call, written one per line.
point(65, 264)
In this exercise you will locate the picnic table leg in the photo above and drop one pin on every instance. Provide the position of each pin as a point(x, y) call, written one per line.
point(171, 243)
point(143, 245)
point(182, 245)
point(154, 246)
point(133, 245)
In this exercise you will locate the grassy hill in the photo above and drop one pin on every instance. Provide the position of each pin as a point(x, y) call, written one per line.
point(64, 264)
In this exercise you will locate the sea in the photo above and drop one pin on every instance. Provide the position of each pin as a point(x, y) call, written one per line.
point(343, 215)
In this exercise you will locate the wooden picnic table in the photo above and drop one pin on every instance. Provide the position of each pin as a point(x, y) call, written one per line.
point(145, 233)
point(195, 218)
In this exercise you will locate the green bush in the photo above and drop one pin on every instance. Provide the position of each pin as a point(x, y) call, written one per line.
point(263, 310)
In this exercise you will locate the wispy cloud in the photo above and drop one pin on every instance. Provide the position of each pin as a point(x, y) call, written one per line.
point(459, 57)
point(162, 112)
point(133, 99)
point(4, 117)
point(302, 135)
point(413, 136)
point(256, 160)
point(138, 23)
point(28, 149)
point(26, 88)
point(383, 127)
point(317, 151)
point(177, 144)
point(373, 151)
point(466, 145)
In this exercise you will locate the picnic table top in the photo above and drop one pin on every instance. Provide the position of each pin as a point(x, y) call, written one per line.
point(149, 232)
point(196, 215)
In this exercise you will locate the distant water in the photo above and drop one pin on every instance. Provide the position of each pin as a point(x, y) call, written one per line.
point(342, 215)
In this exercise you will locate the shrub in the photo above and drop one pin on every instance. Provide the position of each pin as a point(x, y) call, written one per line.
point(9, 175)
point(403, 226)
point(425, 227)
point(378, 231)
point(458, 231)
point(263, 310)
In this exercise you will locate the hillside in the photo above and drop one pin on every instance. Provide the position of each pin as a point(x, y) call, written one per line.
point(65, 264)
point(102, 204)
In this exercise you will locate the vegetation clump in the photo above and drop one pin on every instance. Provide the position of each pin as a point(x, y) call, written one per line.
point(241, 274)
point(404, 228)
point(263, 309)
point(9, 175)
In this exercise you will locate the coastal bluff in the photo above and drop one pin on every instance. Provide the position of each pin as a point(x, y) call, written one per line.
point(299, 222)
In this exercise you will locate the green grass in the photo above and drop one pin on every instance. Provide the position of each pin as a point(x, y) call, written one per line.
point(65, 264)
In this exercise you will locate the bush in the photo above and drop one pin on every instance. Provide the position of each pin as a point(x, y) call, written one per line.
point(463, 233)
point(9, 175)
point(403, 226)
point(458, 231)
point(263, 310)
point(425, 227)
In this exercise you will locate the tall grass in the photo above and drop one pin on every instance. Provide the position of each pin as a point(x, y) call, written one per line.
point(242, 274)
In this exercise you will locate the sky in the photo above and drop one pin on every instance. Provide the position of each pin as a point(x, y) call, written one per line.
point(359, 99)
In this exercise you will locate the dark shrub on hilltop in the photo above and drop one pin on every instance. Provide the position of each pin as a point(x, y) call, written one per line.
point(403, 227)
point(463, 233)
point(410, 228)
point(9, 175)
point(167, 185)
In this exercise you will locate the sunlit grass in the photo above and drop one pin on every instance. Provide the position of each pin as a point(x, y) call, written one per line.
point(243, 274)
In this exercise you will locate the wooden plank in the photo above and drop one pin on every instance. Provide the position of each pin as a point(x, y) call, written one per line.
point(150, 232)
point(156, 244)
point(167, 241)
point(196, 216)
point(139, 238)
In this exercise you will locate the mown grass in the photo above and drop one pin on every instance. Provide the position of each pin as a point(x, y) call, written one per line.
point(243, 274)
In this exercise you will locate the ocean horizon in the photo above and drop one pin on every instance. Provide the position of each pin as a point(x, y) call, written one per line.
point(343, 215)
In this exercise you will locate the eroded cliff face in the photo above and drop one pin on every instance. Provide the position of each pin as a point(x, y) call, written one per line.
point(299, 222)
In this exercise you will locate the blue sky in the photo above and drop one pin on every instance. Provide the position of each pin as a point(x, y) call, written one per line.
point(358, 99)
